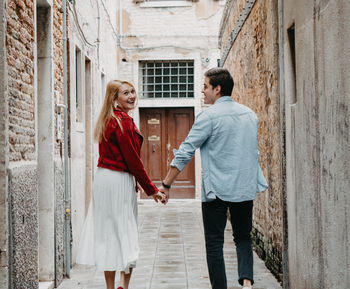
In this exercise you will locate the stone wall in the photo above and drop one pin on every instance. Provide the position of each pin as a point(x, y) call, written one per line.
point(24, 233)
point(59, 220)
point(254, 64)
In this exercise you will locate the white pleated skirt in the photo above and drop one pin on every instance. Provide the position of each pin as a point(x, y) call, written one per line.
point(109, 239)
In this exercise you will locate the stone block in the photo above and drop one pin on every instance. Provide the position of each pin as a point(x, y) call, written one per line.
point(23, 192)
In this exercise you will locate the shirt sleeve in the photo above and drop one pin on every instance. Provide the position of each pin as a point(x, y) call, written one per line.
point(198, 134)
point(132, 158)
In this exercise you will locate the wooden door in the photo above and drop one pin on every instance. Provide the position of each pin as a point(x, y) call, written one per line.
point(164, 129)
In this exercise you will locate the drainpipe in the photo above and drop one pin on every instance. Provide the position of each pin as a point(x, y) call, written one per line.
point(66, 178)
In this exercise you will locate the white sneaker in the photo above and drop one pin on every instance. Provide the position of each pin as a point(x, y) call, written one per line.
point(247, 287)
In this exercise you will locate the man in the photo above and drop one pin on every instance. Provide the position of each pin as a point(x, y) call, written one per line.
point(226, 134)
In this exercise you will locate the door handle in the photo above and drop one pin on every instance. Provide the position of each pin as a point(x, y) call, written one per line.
point(153, 148)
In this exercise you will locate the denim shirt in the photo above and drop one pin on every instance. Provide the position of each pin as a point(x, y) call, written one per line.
point(227, 135)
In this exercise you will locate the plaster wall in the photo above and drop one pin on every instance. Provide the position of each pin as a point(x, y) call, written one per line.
point(46, 142)
point(99, 50)
point(317, 121)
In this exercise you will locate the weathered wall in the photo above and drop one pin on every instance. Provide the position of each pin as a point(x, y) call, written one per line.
point(165, 32)
point(22, 187)
point(3, 151)
point(59, 146)
point(98, 65)
point(59, 219)
point(318, 143)
point(20, 61)
point(24, 226)
point(253, 62)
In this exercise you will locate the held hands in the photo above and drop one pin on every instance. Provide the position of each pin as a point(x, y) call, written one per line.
point(165, 191)
point(160, 196)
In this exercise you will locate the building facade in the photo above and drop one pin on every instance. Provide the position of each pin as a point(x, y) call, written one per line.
point(316, 68)
point(165, 47)
point(41, 217)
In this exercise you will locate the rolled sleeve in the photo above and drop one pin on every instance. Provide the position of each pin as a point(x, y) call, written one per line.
point(198, 134)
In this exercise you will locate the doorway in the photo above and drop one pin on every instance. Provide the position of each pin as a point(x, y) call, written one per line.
point(164, 129)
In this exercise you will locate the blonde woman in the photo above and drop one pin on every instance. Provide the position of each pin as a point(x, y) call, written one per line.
point(110, 238)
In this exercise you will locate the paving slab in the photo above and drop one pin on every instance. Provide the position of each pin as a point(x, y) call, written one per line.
point(172, 253)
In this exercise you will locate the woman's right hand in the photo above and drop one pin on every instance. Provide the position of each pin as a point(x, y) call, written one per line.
point(159, 196)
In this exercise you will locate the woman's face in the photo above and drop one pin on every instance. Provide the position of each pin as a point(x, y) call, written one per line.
point(126, 97)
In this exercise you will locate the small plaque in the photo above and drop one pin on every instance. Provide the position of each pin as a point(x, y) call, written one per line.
point(153, 121)
point(154, 138)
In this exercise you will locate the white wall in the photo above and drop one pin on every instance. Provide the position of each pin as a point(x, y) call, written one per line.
point(103, 61)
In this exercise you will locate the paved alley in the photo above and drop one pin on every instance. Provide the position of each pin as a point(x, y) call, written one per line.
point(172, 253)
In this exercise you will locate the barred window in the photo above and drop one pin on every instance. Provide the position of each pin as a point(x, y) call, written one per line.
point(167, 78)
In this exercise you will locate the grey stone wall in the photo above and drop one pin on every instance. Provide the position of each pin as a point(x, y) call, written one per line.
point(3, 152)
point(59, 220)
point(318, 143)
point(23, 191)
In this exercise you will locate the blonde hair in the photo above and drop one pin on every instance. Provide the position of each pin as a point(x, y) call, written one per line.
point(107, 111)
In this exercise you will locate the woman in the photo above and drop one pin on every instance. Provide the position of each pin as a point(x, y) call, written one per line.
point(110, 237)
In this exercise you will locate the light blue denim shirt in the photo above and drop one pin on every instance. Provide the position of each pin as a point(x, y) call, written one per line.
point(227, 135)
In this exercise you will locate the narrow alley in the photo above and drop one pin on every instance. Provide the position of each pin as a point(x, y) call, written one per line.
point(290, 66)
point(172, 254)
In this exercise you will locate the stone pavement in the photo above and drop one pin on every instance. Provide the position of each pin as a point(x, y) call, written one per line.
point(172, 253)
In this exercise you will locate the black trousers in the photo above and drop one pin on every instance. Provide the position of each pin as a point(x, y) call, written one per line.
point(214, 220)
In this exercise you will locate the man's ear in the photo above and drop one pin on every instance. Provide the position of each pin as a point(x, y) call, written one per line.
point(218, 89)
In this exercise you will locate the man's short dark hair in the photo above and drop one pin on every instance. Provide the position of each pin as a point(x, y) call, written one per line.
point(220, 76)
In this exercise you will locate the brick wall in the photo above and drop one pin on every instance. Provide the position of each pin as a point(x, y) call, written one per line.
point(58, 63)
point(20, 60)
point(59, 165)
point(253, 62)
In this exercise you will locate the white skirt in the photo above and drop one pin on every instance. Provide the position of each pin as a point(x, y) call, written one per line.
point(109, 239)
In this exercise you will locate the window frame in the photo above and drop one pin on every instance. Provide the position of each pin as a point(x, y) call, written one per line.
point(162, 84)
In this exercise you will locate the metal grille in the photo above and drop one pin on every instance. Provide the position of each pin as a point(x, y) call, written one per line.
point(167, 79)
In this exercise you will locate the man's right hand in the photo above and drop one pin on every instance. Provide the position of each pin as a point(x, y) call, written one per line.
point(166, 192)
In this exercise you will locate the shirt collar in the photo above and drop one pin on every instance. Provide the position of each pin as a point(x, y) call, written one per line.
point(223, 98)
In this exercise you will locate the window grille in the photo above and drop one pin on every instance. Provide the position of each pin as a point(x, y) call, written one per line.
point(167, 79)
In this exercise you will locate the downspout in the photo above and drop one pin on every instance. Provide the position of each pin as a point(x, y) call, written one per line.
point(285, 280)
point(66, 178)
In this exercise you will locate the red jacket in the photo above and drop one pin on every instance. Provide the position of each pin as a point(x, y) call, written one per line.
point(121, 151)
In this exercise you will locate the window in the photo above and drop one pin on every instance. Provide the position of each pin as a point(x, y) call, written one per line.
point(291, 38)
point(167, 79)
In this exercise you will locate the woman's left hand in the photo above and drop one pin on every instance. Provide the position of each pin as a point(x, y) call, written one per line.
point(139, 188)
